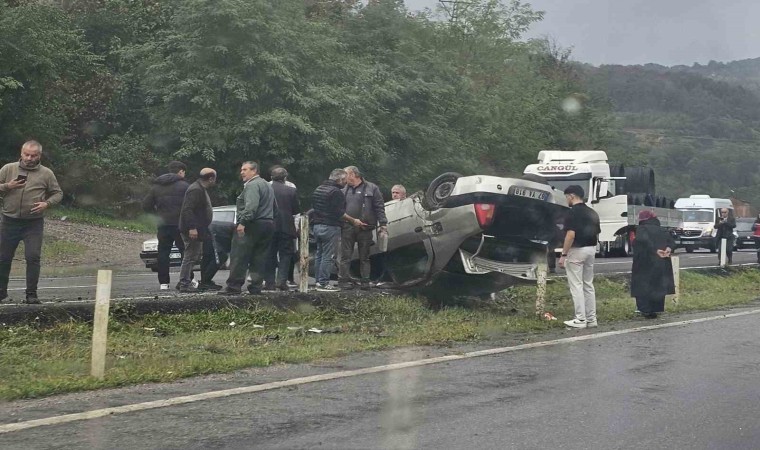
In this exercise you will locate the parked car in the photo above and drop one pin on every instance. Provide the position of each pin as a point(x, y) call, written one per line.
point(222, 227)
point(743, 232)
point(471, 235)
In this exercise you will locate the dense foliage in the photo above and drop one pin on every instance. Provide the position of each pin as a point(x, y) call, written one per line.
point(116, 88)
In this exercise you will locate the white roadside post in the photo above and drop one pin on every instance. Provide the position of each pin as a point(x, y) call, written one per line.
point(723, 243)
point(303, 279)
point(676, 262)
point(541, 273)
point(100, 324)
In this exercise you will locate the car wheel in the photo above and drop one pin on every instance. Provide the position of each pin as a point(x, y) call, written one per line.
point(689, 249)
point(439, 190)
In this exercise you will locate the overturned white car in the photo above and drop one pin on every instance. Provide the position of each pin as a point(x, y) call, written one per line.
point(471, 235)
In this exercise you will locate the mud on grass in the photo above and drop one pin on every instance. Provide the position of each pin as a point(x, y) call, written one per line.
point(37, 361)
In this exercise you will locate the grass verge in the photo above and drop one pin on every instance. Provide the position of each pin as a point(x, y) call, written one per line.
point(37, 361)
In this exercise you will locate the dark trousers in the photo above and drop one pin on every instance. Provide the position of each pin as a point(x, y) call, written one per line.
point(168, 236)
point(209, 262)
point(278, 260)
point(13, 231)
point(349, 237)
point(249, 253)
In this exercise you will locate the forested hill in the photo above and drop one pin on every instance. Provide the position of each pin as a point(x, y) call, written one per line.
point(699, 126)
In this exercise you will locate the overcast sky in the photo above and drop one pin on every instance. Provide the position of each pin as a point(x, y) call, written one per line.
point(667, 32)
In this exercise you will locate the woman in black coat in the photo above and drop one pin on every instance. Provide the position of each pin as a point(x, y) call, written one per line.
point(652, 271)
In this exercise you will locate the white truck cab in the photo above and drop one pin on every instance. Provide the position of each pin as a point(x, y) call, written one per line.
point(699, 215)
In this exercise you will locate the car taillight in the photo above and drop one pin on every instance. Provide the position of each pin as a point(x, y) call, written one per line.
point(484, 213)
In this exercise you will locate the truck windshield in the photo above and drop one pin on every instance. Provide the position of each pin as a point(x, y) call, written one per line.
point(562, 183)
point(698, 216)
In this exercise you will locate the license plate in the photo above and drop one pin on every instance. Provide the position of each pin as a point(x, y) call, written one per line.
point(175, 255)
point(529, 193)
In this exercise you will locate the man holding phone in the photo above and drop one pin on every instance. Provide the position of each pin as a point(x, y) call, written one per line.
point(28, 189)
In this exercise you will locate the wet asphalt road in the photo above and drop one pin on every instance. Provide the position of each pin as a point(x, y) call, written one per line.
point(693, 386)
point(145, 284)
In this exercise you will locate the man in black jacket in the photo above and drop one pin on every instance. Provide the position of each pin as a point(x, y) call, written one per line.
point(194, 220)
point(327, 215)
point(282, 248)
point(365, 202)
point(165, 199)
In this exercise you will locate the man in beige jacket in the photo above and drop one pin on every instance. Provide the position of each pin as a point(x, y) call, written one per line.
point(28, 189)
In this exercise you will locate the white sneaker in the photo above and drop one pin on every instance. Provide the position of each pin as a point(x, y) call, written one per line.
point(194, 283)
point(576, 323)
point(164, 287)
point(591, 324)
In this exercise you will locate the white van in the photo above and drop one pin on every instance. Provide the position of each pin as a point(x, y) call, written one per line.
point(699, 215)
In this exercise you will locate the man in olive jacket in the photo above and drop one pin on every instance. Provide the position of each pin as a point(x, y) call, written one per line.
point(28, 189)
point(253, 235)
point(194, 220)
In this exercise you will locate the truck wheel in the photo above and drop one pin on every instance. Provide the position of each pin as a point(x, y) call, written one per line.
point(690, 249)
point(439, 190)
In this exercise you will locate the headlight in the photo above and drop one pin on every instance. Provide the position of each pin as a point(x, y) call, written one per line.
point(150, 246)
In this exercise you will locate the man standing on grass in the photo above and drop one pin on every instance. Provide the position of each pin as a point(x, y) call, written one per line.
point(194, 220)
point(28, 189)
point(283, 242)
point(578, 253)
point(165, 199)
point(253, 235)
point(364, 201)
point(327, 217)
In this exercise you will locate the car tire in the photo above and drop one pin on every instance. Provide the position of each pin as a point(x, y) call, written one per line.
point(439, 190)
point(689, 249)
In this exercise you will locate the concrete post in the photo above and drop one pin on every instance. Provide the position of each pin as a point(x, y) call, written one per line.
point(541, 273)
point(723, 245)
point(676, 277)
point(100, 325)
point(303, 281)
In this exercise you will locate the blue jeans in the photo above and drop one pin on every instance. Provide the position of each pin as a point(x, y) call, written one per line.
point(327, 242)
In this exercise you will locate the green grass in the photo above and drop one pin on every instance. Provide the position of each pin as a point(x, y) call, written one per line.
point(38, 361)
point(144, 223)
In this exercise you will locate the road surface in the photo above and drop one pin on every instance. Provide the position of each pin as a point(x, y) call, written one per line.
point(692, 385)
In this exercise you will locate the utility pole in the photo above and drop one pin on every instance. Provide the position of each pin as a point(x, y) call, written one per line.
point(454, 8)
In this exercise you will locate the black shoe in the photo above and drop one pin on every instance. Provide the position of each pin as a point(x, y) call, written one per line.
point(31, 299)
point(229, 291)
point(209, 286)
point(189, 289)
point(283, 287)
point(255, 291)
point(3, 295)
point(650, 315)
point(267, 288)
point(365, 286)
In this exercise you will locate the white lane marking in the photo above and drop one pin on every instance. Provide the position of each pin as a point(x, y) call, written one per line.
point(41, 288)
point(97, 413)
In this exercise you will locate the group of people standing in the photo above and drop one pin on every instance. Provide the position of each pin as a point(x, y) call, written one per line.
point(346, 209)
